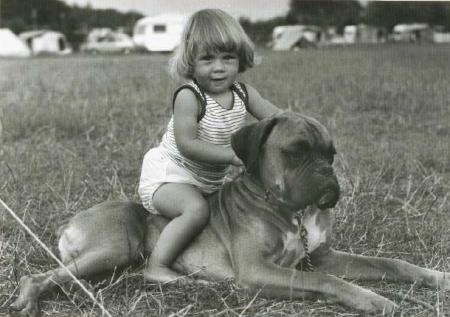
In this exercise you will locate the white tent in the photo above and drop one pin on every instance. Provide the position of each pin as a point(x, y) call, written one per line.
point(11, 45)
point(159, 33)
point(288, 37)
point(46, 42)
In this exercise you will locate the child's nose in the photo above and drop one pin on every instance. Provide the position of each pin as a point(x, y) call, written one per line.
point(218, 65)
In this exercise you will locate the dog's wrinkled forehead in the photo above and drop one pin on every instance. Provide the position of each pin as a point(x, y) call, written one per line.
point(302, 128)
point(286, 132)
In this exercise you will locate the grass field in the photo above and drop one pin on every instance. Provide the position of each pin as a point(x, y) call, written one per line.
point(75, 130)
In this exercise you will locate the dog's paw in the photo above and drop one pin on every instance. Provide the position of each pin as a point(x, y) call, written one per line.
point(436, 280)
point(26, 304)
point(380, 304)
point(370, 302)
point(445, 281)
point(24, 307)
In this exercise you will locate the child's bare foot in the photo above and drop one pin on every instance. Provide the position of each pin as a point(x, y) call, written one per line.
point(161, 274)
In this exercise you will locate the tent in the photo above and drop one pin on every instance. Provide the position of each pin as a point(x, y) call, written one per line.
point(159, 33)
point(289, 37)
point(46, 42)
point(11, 45)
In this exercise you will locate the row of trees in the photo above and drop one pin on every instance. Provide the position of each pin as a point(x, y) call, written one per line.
point(379, 13)
point(388, 14)
point(338, 13)
point(75, 22)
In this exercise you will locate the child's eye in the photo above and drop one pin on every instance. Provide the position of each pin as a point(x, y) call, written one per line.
point(230, 57)
point(206, 57)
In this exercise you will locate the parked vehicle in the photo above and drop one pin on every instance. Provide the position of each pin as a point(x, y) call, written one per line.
point(104, 40)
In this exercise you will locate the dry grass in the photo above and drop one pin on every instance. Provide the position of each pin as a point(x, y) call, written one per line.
point(75, 130)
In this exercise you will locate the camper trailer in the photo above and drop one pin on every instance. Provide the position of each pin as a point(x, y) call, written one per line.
point(412, 32)
point(291, 37)
point(46, 42)
point(160, 33)
point(11, 45)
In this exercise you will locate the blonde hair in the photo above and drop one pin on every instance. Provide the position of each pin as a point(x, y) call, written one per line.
point(212, 30)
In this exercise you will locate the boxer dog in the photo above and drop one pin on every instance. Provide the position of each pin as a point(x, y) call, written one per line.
point(269, 229)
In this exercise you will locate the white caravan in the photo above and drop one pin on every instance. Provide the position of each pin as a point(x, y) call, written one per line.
point(412, 32)
point(11, 45)
point(160, 33)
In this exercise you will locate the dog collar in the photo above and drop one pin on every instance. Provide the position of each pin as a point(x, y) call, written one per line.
point(303, 237)
point(270, 198)
point(267, 195)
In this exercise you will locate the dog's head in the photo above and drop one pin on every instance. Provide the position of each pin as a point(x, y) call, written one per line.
point(291, 155)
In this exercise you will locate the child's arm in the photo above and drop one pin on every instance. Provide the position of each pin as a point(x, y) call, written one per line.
point(259, 107)
point(185, 129)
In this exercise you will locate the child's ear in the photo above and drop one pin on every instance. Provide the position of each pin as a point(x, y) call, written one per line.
point(247, 142)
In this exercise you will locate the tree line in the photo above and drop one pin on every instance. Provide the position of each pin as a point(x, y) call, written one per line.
point(75, 21)
point(338, 13)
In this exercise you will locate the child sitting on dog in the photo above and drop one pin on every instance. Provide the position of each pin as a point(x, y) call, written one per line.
point(195, 154)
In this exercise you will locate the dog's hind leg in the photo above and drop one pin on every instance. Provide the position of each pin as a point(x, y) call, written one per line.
point(377, 268)
point(97, 240)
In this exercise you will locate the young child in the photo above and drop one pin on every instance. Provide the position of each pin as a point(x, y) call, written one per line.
point(195, 153)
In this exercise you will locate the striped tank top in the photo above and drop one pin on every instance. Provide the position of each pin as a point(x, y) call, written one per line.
point(215, 125)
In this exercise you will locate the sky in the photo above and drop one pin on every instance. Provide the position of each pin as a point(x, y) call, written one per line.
point(253, 9)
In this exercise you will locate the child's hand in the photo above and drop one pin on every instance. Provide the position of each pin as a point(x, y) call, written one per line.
point(236, 161)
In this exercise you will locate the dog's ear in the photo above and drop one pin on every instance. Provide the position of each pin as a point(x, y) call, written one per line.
point(247, 141)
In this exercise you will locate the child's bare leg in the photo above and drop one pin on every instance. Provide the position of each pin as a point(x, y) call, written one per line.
point(189, 212)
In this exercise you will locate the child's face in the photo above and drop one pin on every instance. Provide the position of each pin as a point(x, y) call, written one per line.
point(215, 72)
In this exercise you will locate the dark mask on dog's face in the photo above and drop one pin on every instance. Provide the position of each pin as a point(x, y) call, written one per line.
point(291, 156)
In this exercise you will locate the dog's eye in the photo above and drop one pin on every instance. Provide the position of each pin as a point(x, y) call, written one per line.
point(295, 152)
point(303, 146)
point(294, 156)
point(298, 147)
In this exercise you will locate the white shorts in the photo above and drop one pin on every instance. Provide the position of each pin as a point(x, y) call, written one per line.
point(158, 170)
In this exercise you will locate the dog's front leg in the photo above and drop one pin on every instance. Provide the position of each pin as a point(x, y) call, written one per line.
point(377, 268)
point(256, 273)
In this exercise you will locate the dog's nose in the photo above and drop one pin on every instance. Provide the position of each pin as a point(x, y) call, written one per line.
point(329, 197)
point(328, 200)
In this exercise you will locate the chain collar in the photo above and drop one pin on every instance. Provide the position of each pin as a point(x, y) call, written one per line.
point(303, 237)
point(302, 233)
